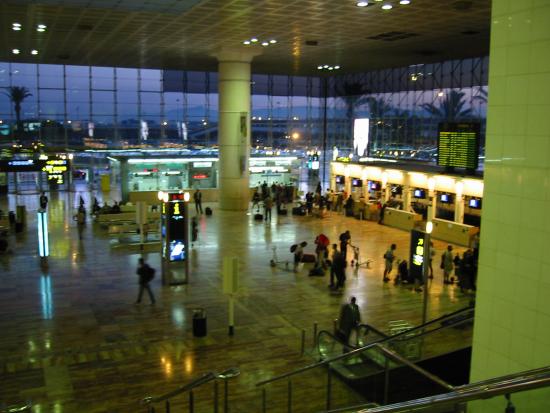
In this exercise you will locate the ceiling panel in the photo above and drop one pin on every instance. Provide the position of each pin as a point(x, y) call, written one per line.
point(183, 34)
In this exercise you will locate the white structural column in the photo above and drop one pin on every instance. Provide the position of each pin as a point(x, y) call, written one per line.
point(234, 127)
point(512, 318)
point(459, 209)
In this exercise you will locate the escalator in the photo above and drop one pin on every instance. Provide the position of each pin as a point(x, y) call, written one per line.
point(441, 347)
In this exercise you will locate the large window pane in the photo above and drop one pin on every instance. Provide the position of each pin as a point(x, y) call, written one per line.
point(103, 78)
point(50, 76)
point(150, 80)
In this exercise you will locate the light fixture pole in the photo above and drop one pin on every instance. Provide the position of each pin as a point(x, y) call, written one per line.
point(425, 268)
point(325, 127)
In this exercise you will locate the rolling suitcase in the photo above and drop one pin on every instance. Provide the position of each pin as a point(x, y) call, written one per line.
point(258, 217)
point(309, 258)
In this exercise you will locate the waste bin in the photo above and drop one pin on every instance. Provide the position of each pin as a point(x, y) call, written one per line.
point(11, 217)
point(21, 214)
point(199, 322)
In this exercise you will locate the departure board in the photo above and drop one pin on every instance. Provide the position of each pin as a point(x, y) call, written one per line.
point(458, 145)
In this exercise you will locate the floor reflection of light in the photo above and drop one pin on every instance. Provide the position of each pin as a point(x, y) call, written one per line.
point(37, 408)
point(166, 366)
point(57, 408)
point(178, 316)
point(188, 364)
point(46, 294)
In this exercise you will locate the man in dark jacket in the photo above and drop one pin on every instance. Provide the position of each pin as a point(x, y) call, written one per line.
point(349, 319)
point(146, 274)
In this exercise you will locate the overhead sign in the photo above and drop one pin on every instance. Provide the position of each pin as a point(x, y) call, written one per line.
point(55, 169)
point(458, 145)
point(202, 164)
point(22, 165)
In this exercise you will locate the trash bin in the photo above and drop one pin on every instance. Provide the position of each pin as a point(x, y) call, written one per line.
point(199, 322)
point(11, 217)
point(21, 214)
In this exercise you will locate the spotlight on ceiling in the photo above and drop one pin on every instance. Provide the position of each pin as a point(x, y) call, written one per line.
point(16, 51)
point(387, 6)
point(265, 44)
point(16, 26)
point(34, 52)
point(404, 2)
point(246, 42)
point(362, 3)
point(273, 41)
point(254, 40)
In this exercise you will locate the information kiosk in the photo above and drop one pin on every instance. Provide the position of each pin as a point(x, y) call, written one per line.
point(174, 237)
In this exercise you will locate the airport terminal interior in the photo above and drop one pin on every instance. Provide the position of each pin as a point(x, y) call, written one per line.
point(274, 206)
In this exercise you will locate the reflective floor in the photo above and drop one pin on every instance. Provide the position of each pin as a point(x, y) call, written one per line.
point(74, 341)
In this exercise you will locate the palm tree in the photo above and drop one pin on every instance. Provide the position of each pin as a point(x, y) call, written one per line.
point(451, 108)
point(17, 95)
point(353, 96)
point(483, 95)
point(378, 108)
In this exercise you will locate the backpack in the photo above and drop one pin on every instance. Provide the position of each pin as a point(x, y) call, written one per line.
point(149, 274)
point(293, 247)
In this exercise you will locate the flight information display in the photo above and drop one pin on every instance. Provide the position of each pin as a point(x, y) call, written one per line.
point(458, 145)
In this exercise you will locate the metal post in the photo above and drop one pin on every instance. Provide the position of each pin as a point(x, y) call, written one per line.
point(289, 398)
point(303, 344)
point(329, 387)
point(425, 270)
point(216, 396)
point(386, 380)
point(264, 400)
point(167, 406)
point(191, 402)
point(315, 327)
point(225, 396)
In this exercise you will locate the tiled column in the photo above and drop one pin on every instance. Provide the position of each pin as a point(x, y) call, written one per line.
point(234, 128)
point(512, 324)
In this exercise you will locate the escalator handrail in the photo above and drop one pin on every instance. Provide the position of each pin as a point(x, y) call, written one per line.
point(486, 389)
point(395, 336)
point(370, 327)
point(361, 349)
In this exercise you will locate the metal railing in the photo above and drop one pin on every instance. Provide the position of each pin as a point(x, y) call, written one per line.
point(151, 401)
point(17, 408)
point(467, 314)
point(460, 395)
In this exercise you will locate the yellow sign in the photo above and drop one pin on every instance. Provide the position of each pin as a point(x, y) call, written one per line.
point(177, 208)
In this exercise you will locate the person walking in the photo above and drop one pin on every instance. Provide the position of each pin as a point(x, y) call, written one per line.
point(194, 230)
point(268, 205)
point(146, 275)
point(43, 201)
point(80, 218)
point(350, 317)
point(298, 254)
point(333, 259)
point(389, 257)
point(197, 197)
point(448, 265)
point(345, 239)
point(340, 270)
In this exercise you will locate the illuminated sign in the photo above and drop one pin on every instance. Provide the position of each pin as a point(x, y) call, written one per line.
point(171, 173)
point(417, 254)
point(21, 165)
point(360, 136)
point(200, 176)
point(55, 169)
point(43, 242)
point(458, 145)
point(202, 164)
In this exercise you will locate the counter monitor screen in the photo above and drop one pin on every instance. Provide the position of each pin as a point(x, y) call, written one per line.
point(419, 193)
point(375, 186)
point(458, 145)
point(356, 182)
point(446, 198)
point(396, 190)
point(340, 179)
point(475, 203)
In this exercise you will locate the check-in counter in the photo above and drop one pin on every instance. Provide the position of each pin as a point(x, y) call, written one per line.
point(401, 219)
point(453, 232)
point(125, 217)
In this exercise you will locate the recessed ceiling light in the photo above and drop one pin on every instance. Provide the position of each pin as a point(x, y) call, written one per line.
point(34, 52)
point(337, 67)
point(16, 28)
point(254, 40)
point(387, 6)
point(273, 41)
point(16, 24)
point(319, 67)
point(404, 2)
point(325, 66)
point(330, 68)
point(40, 30)
point(362, 4)
point(246, 42)
point(440, 94)
point(16, 51)
point(41, 26)
point(265, 44)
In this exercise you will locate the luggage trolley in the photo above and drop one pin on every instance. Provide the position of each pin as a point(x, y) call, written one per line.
point(356, 262)
point(275, 262)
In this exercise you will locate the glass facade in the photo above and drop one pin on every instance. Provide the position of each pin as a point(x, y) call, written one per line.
point(106, 107)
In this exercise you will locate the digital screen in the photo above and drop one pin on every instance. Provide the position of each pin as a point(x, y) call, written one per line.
point(177, 250)
point(340, 179)
point(361, 136)
point(356, 182)
point(313, 161)
point(419, 193)
point(22, 165)
point(396, 190)
point(375, 186)
point(416, 258)
point(176, 220)
point(458, 145)
point(446, 198)
point(475, 203)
